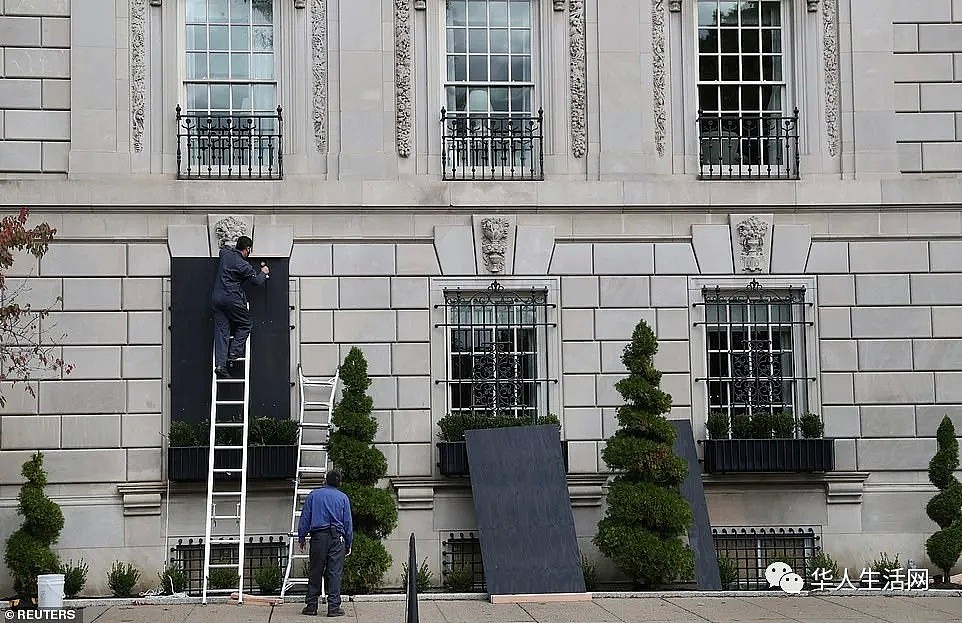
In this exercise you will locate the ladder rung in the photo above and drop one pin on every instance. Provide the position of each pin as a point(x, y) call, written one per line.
point(297, 580)
point(309, 425)
point(225, 492)
point(228, 447)
point(224, 541)
point(223, 565)
point(230, 380)
point(301, 556)
point(229, 424)
point(229, 402)
point(316, 403)
point(313, 470)
point(313, 447)
point(303, 492)
point(216, 517)
point(222, 590)
point(227, 470)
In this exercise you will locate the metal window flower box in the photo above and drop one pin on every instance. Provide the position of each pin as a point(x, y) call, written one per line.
point(191, 463)
point(768, 455)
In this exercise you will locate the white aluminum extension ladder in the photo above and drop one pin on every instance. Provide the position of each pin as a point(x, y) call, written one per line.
point(314, 426)
point(226, 404)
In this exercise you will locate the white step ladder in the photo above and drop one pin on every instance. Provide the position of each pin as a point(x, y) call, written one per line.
point(314, 425)
point(224, 491)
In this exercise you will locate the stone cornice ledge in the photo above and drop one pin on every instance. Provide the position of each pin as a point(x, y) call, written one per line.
point(845, 487)
point(840, 487)
point(142, 498)
point(417, 492)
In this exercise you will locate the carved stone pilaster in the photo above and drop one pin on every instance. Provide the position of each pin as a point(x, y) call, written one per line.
point(138, 71)
point(420, 5)
point(300, 4)
point(674, 6)
point(812, 6)
point(832, 80)
point(402, 76)
point(559, 5)
point(659, 78)
point(577, 75)
point(319, 71)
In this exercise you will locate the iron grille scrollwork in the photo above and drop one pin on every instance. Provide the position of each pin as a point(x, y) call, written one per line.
point(230, 146)
point(756, 349)
point(499, 147)
point(754, 147)
point(752, 549)
point(496, 357)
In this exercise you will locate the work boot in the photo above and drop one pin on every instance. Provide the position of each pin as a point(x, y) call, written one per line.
point(309, 611)
point(335, 613)
point(221, 372)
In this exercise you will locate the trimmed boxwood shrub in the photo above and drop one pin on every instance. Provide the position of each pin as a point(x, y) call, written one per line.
point(28, 550)
point(646, 513)
point(352, 451)
point(945, 508)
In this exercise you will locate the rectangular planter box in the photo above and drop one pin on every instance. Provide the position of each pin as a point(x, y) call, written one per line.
point(453, 458)
point(769, 455)
point(190, 464)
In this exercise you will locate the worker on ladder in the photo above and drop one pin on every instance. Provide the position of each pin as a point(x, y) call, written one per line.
point(229, 303)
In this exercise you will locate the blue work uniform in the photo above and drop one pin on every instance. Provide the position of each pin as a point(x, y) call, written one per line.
point(229, 305)
point(326, 517)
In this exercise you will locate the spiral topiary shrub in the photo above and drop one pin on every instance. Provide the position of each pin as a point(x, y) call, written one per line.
point(28, 551)
point(646, 513)
point(945, 508)
point(352, 451)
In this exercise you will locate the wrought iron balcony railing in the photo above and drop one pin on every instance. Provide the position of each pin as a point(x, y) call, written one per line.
point(492, 147)
point(229, 146)
point(748, 147)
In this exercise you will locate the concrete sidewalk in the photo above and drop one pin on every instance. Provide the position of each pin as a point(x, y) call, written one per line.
point(775, 609)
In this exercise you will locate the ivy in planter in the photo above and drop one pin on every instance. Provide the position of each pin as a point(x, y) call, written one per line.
point(271, 443)
point(262, 431)
point(453, 425)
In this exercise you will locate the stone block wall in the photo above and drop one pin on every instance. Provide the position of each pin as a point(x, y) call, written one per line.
point(34, 86)
point(928, 89)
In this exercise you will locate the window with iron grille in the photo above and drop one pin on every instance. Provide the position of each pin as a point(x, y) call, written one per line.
point(753, 549)
point(259, 552)
point(745, 128)
point(497, 361)
point(491, 130)
point(756, 350)
point(461, 552)
point(230, 126)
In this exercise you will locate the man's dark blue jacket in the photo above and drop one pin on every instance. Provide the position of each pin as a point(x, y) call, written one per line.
point(326, 507)
point(232, 274)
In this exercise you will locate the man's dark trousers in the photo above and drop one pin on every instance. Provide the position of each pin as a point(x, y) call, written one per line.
point(327, 561)
point(230, 315)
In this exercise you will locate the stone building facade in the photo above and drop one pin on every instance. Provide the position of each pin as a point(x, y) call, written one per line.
point(640, 153)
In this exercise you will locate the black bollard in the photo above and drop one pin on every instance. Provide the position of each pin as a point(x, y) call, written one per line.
point(412, 587)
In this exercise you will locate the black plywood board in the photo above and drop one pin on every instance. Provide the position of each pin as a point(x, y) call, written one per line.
point(192, 340)
point(692, 489)
point(525, 523)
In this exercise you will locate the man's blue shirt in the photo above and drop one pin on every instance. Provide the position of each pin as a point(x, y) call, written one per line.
point(233, 273)
point(323, 508)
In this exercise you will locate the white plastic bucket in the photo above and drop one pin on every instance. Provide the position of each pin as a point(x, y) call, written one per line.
point(50, 590)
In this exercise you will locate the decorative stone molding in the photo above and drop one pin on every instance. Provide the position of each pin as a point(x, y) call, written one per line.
point(402, 76)
point(659, 79)
point(832, 80)
point(559, 5)
point(300, 4)
point(138, 70)
point(142, 498)
point(494, 243)
point(812, 6)
point(752, 241)
point(586, 490)
point(228, 230)
point(319, 71)
point(155, 2)
point(494, 238)
point(420, 5)
point(577, 75)
point(674, 6)
point(418, 492)
point(845, 487)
